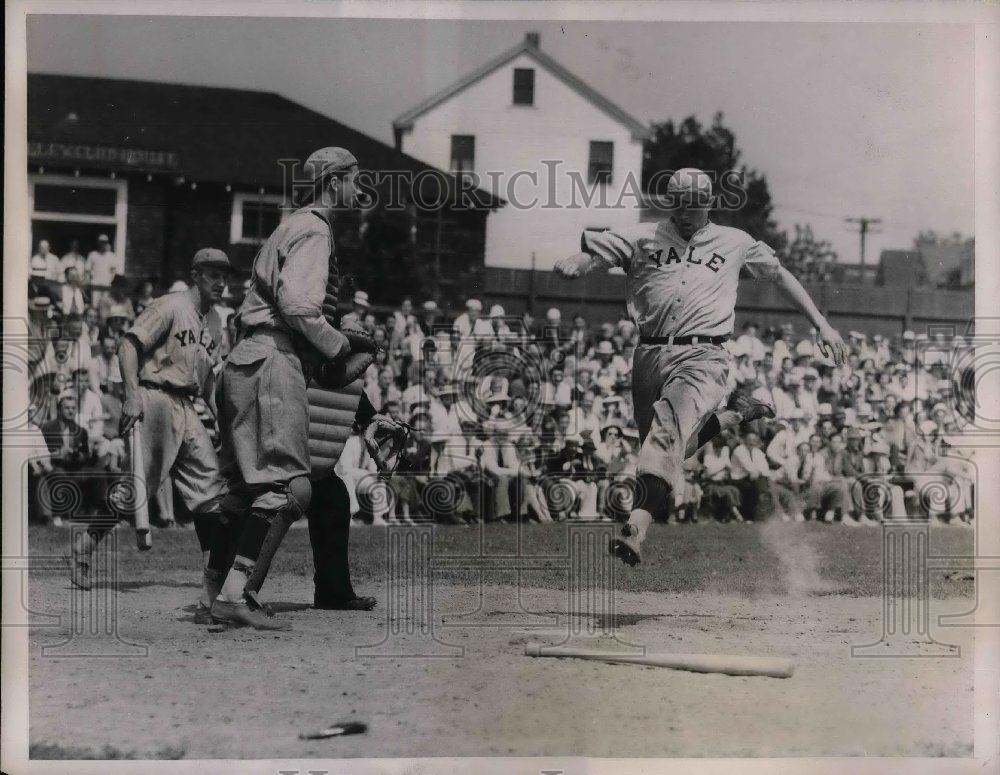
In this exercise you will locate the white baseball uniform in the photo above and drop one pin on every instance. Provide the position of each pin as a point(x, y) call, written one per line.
point(678, 288)
point(178, 354)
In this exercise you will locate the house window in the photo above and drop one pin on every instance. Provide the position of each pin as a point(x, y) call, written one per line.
point(463, 154)
point(524, 86)
point(601, 158)
point(254, 217)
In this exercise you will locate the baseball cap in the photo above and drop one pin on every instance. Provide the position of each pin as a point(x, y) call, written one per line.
point(328, 161)
point(692, 182)
point(210, 257)
point(103, 238)
point(361, 299)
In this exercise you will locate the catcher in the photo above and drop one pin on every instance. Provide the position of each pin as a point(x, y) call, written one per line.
point(285, 336)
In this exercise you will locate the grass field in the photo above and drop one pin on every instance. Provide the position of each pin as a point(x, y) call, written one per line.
point(804, 591)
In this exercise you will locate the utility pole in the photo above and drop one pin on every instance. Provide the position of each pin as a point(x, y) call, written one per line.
point(864, 225)
point(531, 286)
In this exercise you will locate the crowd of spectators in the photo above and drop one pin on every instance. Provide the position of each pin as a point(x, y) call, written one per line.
point(515, 418)
point(78, 310)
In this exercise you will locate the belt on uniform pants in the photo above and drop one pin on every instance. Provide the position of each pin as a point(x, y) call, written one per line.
point(683, 340)
point(172, 390)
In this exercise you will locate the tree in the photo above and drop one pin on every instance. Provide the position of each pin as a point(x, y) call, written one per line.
point(714, 150)
point(808, 258)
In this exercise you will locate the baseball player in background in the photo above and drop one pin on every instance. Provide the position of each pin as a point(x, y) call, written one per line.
point(167, 359)
point(285, 334)
point(682, 278)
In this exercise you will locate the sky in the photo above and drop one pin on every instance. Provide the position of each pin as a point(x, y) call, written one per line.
point(845, 120)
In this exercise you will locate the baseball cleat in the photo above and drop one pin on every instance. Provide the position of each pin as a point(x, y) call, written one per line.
point(627, 548)
point(241, 615)
point(353, 604)
point(749, 408)
point(203, 613)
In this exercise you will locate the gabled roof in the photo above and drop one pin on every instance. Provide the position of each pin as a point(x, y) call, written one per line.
point(529, 48)
point(221, 135)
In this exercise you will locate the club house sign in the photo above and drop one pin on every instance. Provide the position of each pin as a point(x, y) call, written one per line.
point(135, 158)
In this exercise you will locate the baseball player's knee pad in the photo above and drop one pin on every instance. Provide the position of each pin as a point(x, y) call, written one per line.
point(299, 492)
point(652, 494)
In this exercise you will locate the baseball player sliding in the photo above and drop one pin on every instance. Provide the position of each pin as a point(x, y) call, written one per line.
point(682, 277)
point(285, 336)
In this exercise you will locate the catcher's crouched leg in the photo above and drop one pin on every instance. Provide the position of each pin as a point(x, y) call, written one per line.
point(299, 492)
point(258, 543)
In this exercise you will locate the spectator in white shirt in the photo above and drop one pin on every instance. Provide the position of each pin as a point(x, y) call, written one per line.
point(53, 266)
point(496, 327)
point(356, 317)
point(825, 497)
point(557, 391)
point(71, 295)
point(607, 358)
point(75, 260)
point(384, 390)
point(357, 470)
point(781, 349)
point(102, 266)
point(500, 463)
point(109, 375)
point(808, 394)
point(722, 497)
point(471, 322)
point(749, 342)
point(750, 474)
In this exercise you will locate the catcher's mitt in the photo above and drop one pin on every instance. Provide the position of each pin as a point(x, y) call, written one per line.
point(344, 370)
point(360, 340)
point(385, 440)
point(334, 375)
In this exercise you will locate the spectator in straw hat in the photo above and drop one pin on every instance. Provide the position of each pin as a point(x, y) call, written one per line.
point(429, 312)
point(467, 323)
point(361, 307)
point(500, 465)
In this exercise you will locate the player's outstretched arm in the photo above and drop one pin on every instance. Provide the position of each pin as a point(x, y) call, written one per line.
point(830, 340)
point(578, 265)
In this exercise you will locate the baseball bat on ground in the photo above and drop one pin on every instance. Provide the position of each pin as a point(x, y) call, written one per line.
point(143, 537)
point(774, 667)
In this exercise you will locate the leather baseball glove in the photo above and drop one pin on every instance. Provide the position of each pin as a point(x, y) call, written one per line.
point(340, 373)
point(344, 370)
point(385, 439)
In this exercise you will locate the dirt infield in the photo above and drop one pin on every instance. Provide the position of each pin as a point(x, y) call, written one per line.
point(234, 694)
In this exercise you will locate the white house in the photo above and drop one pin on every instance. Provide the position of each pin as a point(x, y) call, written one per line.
point(564, 157)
